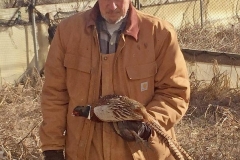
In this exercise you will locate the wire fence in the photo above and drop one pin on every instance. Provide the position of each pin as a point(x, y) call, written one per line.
point(27, 27)
point(178, 12)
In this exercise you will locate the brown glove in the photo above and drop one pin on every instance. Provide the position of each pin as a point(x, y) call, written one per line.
point(131, 130)
point(53, 155)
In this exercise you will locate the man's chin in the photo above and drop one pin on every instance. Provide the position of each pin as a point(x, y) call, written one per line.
point(113, 21)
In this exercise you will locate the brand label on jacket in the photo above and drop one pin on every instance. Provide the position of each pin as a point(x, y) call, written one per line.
point(144, 86)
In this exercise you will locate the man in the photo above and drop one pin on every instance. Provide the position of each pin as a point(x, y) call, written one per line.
point(111, 49)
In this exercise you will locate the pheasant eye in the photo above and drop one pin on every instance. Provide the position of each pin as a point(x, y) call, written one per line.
point(75, 113)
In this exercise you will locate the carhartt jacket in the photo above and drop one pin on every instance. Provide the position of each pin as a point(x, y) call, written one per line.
point(148, 66)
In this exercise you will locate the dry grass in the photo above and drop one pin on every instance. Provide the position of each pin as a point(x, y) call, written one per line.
point(20, 118)
point(211, 128)
point(211, 38)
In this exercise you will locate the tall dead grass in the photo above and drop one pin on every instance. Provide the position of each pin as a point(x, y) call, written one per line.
point(20, 118)
point(211, 128)
point(211, 38)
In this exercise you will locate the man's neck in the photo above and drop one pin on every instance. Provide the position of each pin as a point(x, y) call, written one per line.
point(113, 27)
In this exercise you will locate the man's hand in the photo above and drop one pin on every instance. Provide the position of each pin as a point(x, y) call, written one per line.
point(53, 155)
point(131, 130)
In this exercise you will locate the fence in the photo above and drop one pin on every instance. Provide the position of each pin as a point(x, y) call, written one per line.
point(204, 11)
point(21, 48)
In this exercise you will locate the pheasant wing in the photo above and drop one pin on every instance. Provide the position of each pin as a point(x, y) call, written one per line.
point(115, 113)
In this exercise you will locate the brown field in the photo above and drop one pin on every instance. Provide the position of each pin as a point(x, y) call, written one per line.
point(210, 130)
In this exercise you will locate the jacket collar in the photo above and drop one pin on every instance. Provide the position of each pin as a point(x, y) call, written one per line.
point(132, 26)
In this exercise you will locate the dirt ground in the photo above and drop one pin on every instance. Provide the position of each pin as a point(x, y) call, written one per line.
point(210, 130)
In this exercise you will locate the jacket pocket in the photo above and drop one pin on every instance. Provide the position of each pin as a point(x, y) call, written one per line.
point(78, 77)
point(141, 81)
point(77, 62)
point(142, 71)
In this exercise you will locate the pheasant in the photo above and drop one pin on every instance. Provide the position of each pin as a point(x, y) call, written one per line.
point(115, 108)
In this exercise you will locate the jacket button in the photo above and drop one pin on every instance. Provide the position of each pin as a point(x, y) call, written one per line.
point(105, 58)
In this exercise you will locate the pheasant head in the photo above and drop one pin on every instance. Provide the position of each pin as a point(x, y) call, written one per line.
point(83, 111)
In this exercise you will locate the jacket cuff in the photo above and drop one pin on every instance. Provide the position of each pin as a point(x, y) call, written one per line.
point(53, 155)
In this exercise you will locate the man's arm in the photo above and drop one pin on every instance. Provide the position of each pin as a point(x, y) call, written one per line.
point(172, 87)
point(55, 98)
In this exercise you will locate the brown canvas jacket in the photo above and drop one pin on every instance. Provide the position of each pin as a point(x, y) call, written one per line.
point(148, 67)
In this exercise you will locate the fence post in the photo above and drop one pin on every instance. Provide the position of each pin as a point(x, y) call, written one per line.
point(201, 12)
point(137, 4)
point(32, 13)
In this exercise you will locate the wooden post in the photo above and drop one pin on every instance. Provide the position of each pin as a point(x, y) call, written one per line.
point(138, 4)
point(201, 12)
point(34, 34)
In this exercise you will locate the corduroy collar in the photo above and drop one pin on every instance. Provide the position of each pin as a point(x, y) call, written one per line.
point(132, 27)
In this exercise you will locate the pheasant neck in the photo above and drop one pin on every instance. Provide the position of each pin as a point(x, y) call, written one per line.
point(89, 113)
